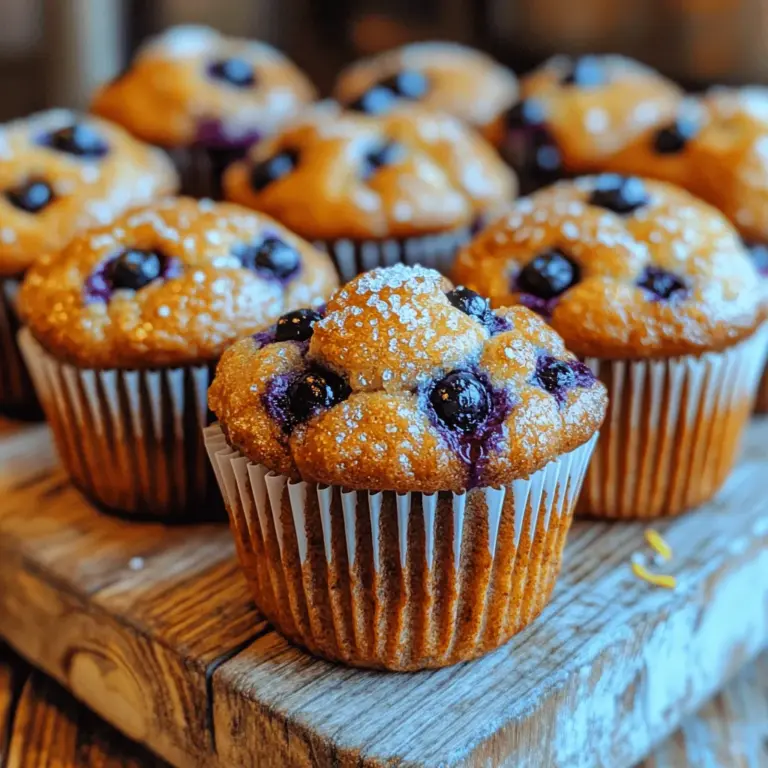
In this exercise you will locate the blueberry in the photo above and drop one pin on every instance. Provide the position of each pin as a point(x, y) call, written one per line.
point(381, 156)
point(32, 196)
point(377, 100)
point(673, 138)
point(297, 325)
point(134, 268)
point(526, 113)
point(620, 194)
point(461, 401)
point(661, 283)
point(586, 72)
point(548, 275)
point(557, 376)
point(759, 253)
point(313, 391)
point(271, 256)
point(469, 302)
point(80, 140)
point(233, 71)
point(408, 84)
point(274, 168)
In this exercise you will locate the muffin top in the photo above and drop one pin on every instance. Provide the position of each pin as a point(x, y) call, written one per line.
point(574, 113)
point(446, 77)
point(404, 384)
point(407, 173)
point(192, 85)
point(622, 268)
point(174, 283)
point(61, 172)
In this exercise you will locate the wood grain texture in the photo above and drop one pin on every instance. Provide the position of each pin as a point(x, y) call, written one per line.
point(153, 629)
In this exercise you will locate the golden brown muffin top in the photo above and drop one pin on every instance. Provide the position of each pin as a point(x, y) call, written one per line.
point(174, 283)
point(405, 384)
point(343, 175)
point(585, 109)
point(192, 85)
point(445, 77)
point(61, 172)
point(622, 268)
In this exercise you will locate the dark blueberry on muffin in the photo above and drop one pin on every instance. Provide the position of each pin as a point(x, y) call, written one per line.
point(31, 196)
point(382, 156)
point(408, 84)
point(296, 325)
point(674, 137)
point(661, 283)
point(314, 391)
point(134, 269)
point(586, 72)
point(233, 71)
point(558, 376)
point(548, 275)
point(272, 257)
point(80, 140)
point(375, 101)
point(471, 303)
point(274, 168)
point(461, 401)
point(620, 194)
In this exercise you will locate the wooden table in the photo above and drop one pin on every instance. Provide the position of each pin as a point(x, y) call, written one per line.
point(41, 725)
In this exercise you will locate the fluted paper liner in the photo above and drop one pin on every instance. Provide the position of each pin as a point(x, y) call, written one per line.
point(761, 401)
point(130, 439)
point(398, 581)
point(672, 432)
point(17, 395)
point(352, 257)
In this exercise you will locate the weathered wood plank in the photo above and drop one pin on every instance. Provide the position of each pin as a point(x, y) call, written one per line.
point(52, 729)
point(152, 627)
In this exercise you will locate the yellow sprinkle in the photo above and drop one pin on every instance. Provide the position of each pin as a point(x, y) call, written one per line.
point(657, 543)
point(657, 579)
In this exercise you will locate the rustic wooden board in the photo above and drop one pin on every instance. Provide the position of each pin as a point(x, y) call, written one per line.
point(153, 629)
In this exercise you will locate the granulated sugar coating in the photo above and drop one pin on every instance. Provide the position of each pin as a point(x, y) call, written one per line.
point(61, 172)
point(622, 268)
point(348, 175)
point(174, 283)
point(400, 389)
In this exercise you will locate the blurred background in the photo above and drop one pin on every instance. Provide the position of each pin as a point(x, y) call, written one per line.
point(55, 51)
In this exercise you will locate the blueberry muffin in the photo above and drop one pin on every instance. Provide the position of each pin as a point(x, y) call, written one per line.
point(421, 455)
point(574, 113)
point(125, 325)
point(654, 290)
point(206, 98)
point(404, 187)
point(60, 172)
point(444, 77)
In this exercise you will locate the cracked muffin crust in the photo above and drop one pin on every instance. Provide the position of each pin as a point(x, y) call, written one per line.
point(622, 267)
point(405, 174)
point(194, 86)
point(406, 384)
point(61, 172)
point(444, 77)
point(173, 283)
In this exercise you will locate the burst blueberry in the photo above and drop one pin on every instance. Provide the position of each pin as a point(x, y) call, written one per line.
point(267, 172)
point(673, 138)
point(32, 196)
point(272, 257)
point(470, 303)
point(620, 194)
point(80, 140)
point(558, 376)
point(235, 72)
point(548, 275)
point(314, 391)
point(661, 283)
point(297, 325)
point(134, 269)
point(461, 401)
point(586, 72)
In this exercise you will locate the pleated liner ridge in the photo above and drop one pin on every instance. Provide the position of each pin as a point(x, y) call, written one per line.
point(761, 402)
point(398, 581)
point(353, 257)
point(17, 395)
point(130, 439)
point(673, 430)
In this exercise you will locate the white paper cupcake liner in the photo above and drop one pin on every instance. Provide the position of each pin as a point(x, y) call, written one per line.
point(130, 439)
point(352, 257)
point(398, 581)
point(672, 431)
point(17, 395)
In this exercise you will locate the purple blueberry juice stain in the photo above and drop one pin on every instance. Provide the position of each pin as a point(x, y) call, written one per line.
point(276, 402)
point(265, 336)
point(213, 134)
point(558, 377)
point(543, 307)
